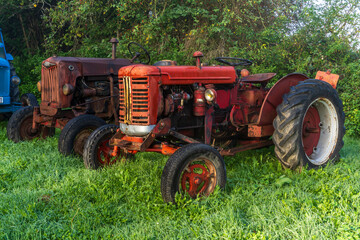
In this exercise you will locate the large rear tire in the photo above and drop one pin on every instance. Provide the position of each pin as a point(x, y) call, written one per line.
point(75, 133)
point(309, 126)
point(97, 151)
point(195, 169)
point(19, 127)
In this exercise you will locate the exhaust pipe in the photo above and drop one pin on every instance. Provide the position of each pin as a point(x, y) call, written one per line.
point(114, 42)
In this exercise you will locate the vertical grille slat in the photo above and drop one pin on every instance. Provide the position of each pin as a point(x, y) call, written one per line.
point(134, 100)
point(49, 82)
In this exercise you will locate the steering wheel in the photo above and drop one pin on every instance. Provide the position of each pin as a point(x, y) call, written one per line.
point(235, 61)
point(139, 53)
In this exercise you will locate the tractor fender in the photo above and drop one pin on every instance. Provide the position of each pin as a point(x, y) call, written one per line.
point(275, 97)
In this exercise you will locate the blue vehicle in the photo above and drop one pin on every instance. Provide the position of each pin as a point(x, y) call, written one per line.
point(10, 100)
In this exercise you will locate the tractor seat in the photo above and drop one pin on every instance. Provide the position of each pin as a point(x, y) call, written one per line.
point(262, 78)
point(165, 63)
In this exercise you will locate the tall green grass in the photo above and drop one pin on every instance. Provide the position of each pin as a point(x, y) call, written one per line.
point(44, 195)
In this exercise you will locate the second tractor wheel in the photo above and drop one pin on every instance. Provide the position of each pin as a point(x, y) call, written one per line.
point(19, 127)
point(309, 126)
point(195, 169)
point(75, 133)
point(98, 152)
point(28, 99)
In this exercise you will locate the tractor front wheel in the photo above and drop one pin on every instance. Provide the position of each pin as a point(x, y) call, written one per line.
point(75, 133)
point(98, 152)
point(19, 127)
point(195, 169)
point(309, 126)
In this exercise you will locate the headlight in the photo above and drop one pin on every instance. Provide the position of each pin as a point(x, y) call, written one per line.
point(39, 86)
point(15, 80)
point(68, 89)
point(48, 64)
point(210, 95)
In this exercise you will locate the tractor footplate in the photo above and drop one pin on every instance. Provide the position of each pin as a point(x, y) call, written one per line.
point(123, 143)
point(128, 143)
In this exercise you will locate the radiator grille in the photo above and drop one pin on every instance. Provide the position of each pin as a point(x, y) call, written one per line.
point(134, 100)
point(50, 91)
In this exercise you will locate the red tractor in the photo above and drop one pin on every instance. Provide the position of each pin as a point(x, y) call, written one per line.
point(198, 114)
point(78, 95)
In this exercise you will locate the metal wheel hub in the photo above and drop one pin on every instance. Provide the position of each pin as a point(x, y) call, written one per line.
point(80, 140)
point(311, 130)
point(320, 130)
point(105, 154)
point(26, 130)
point(198, 178)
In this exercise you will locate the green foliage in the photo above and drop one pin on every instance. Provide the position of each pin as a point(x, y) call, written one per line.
point(278, 36)
point(29, 70)
point(44, 195)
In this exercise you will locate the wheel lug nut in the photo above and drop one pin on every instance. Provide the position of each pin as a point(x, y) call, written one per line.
point(197, 180)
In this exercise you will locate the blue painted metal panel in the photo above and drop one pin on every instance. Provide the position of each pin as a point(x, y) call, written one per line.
point(4, 78)
point(5, 100)
point(10, 108)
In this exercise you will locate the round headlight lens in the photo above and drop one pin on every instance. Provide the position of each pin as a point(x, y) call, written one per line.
point(210, 95)
point(39, 86)
point(68, 89)
point(15, 80)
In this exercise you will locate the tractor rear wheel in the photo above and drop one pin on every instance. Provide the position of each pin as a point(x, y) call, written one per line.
point(19, 127)
point(195, 169)
point(309, 126)
point(75, 133)
point(98, 152)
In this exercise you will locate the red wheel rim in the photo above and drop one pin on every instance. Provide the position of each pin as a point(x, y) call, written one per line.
point(104, 154)
point(311, 130)
point(197, 179)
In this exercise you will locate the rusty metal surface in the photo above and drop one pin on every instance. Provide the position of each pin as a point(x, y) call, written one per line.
point(92, 66)
point(209, 118)
point(50, 89)
point(183, 137)
point(134, 100)
point(233, 151)
point(163, 148)
point(260, 131)
point(113, 107)
point(114, 42)
point(161, 129)
point(328, 77)
point(198, 55)
point(258, 78)
point(199, 107)
point(127, 143)
point(80, 140)
point(274, 97)
point(66, 70)
point(57, 121)
point(183, 75)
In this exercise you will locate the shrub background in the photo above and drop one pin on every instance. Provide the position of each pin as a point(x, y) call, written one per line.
point(278, 36)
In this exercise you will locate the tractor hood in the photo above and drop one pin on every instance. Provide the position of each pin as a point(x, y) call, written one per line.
point(88, 66)
point(4, 63)
point(58, 71)
point(179, 75)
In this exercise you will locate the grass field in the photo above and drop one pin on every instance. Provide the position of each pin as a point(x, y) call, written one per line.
point(44, 195)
